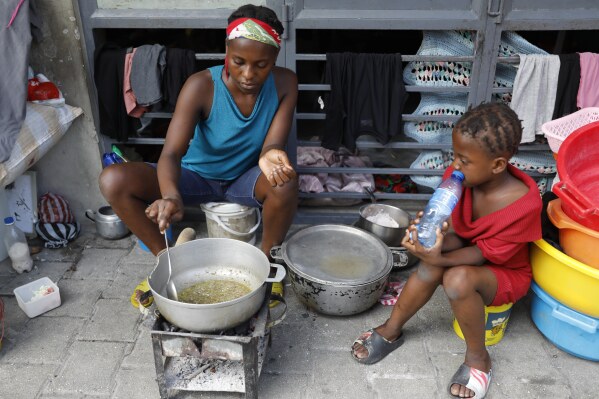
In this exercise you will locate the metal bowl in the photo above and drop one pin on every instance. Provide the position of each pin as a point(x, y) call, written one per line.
point(391, 236)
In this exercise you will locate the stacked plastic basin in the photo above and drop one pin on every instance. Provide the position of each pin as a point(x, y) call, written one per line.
point(565, 302)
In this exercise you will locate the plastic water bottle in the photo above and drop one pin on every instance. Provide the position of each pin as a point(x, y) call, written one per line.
point(17, 247)
point(439, 208)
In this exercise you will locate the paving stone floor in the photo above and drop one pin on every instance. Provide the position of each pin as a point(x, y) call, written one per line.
point(95, 344)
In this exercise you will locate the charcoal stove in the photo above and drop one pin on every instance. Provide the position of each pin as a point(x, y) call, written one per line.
point(230, 361)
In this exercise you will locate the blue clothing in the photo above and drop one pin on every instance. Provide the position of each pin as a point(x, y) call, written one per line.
point(227, 143)
point(195, 189)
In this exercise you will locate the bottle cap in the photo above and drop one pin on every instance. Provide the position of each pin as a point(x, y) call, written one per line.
point(458, 175)
point(9, 220)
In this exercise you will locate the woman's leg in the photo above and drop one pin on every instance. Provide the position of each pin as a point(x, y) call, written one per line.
point(129, 188)
point(279, 205)
point(469, 288)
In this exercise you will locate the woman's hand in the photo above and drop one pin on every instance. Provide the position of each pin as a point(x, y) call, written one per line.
point(275, 165)
point(432, 255)
point(164, 211)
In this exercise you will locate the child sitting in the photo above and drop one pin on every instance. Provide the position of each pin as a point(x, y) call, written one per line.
point(485, 260)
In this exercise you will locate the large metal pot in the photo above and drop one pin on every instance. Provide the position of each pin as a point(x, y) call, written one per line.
point(212, 259)
point(336, 269)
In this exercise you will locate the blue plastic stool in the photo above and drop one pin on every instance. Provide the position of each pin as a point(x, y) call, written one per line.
point(169, 234)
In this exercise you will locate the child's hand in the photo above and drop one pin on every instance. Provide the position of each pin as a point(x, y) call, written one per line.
point(431, 255)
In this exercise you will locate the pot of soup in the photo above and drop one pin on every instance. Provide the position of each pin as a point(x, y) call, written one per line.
point(220, 282)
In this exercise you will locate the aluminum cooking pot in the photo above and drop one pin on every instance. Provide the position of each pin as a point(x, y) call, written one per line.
point(391, 236)
point(336, 269)
point(108, 224)
point(212, 259)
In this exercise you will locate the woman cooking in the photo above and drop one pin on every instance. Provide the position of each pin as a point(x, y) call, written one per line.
point(226, 141)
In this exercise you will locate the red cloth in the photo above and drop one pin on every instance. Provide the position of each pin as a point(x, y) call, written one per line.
point(503, 236)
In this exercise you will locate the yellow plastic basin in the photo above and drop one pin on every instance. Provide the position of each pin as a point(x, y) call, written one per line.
point(567, 280)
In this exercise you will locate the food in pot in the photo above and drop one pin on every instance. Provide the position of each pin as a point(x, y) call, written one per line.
point(382, 218)
point(213, 291)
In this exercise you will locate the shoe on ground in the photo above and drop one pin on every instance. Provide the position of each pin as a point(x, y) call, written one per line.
point(142, 294)
point(277, 288)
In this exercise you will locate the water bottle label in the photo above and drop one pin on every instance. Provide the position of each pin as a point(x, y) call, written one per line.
point(445, 200)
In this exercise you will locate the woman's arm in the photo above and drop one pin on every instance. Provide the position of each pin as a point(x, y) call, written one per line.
point(274, 162)
point(191, 104)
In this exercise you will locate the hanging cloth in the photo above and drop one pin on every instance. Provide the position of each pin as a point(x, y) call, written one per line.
point(568, 81)
point(367, 97)
point(133, 109)
point(533, 96)
point(180, 64)
point(588, 91)
point(16, 20)
point(109, 70)
point(146, 74)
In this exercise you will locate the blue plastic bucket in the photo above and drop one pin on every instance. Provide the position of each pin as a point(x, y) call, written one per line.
point(569, 330)
point(169, 234)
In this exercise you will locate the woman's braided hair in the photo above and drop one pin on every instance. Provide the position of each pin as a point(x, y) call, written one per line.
point(495, 126)
point(260, 13)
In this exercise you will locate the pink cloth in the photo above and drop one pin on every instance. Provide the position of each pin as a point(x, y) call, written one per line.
point(392, 291)
point(133, 109)
point(588, 90)
point(332, 182)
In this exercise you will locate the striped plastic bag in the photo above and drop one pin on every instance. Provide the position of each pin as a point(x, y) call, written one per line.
point(57, 225)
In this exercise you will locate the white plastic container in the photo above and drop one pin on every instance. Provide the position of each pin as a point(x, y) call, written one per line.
point(36, 306)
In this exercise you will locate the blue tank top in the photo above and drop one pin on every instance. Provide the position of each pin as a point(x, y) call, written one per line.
point(227, 143)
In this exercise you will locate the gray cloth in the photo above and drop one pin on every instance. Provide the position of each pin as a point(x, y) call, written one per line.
point(147, 67)
point(15, 42)
point(533, 97)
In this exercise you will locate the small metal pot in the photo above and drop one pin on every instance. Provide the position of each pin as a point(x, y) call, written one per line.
point(391, 236)
point(108, 224)
point(336, 269)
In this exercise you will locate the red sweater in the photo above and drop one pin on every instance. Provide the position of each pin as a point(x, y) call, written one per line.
point(502, 236)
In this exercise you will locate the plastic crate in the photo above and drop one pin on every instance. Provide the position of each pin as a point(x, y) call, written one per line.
point(557, 130)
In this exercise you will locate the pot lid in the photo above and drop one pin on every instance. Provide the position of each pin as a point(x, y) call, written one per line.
point(338, 254)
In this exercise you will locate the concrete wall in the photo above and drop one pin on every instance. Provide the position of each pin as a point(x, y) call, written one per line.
point(71, 168)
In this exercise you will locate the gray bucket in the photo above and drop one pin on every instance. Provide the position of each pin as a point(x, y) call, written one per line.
point(230, 220)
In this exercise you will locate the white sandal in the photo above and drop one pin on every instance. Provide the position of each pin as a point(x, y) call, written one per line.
point(473, 379)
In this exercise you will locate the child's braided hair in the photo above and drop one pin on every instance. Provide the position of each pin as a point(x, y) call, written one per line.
point(495, 125)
